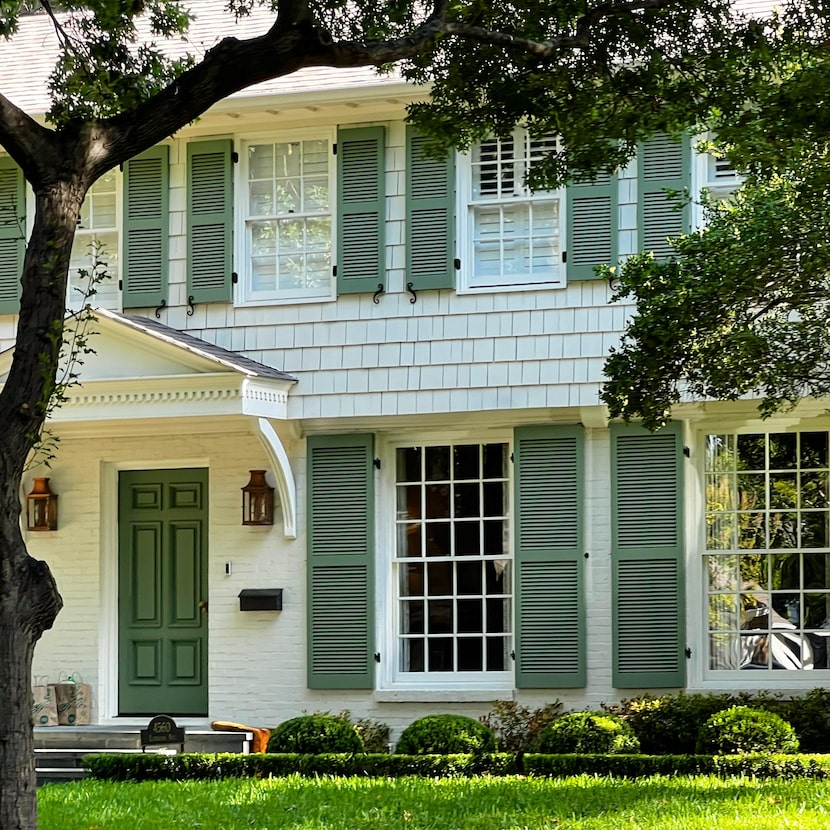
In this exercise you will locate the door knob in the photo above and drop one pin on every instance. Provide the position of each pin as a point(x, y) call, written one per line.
point(203, 606)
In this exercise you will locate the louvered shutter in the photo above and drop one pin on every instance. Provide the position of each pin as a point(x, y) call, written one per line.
point(12, 234)
point(340, 562)
point(550, 613)
point(592, 225)
point(146, 229)
point(361, 212)
point(647, 557)
point(664, 165)
point(209, 221)
point(430, 217)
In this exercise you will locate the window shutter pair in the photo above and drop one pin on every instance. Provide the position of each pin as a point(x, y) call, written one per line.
point(593, 207)
point(550, 650)
point(209, 225)
point(12, 234)
point(361, 213)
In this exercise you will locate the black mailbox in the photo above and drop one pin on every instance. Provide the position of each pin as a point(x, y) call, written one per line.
point(260, 599)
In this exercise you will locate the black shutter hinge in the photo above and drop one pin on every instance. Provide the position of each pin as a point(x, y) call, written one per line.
point(377, 463)
point(234, 157)
point(121, 167)
point(587, 554)
point(191, 306)
point(687, 452)
point(564, 256)
point(120, 285)
point(377, 657)
point(234, 277)
point(334, 149)
point(688, 653)
point(457, 264)
point(513, 655)
point(334, 270)
point(512, 459)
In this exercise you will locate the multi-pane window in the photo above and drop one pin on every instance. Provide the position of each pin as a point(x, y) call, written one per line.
point(516, 233)
point(452, 559)
point(767, 564)
point(289, 222)
point(95, 248)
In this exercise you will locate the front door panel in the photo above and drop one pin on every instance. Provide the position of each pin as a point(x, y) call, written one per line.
point(163, 592)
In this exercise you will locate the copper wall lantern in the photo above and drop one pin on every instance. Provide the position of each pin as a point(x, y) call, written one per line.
point(257, 500)
point(42, 506)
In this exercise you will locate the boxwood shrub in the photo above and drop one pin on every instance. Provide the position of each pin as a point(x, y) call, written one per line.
point(314, 734)
point(588, 732)
point(742, 730)
point(445, 735)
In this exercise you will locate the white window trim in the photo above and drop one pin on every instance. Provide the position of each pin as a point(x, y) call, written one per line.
point(700, 677)
point(243, 295)
point(119, 231)
point(701, 180)
point(465, 231)
point(387, 621)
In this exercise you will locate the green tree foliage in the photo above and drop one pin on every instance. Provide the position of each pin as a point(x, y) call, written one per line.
point(742, 307)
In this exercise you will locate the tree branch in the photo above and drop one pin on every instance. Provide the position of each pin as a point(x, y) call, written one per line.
point(26, 141)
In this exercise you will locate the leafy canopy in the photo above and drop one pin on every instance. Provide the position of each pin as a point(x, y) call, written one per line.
point(742, 308)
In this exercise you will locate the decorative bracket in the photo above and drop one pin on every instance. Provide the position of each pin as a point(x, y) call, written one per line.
point(411, 290)
point(158, 310)
point(190, 306)
point(286, 486)
point(376, 295)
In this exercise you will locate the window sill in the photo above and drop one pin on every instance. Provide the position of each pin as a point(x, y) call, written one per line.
point(458, 695)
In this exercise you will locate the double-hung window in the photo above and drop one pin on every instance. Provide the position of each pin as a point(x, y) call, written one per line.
point(289, 192)
point(767, 559)
point(95, 251)
point(514, 235)
point(452, 563)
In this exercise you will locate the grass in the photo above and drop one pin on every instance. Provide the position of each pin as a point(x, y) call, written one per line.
point(578, 803)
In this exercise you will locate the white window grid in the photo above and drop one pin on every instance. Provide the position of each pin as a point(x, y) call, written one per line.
point(513, 236)
point(454, 605)
point(96, 246)
point(288, 187)
point(767, 559)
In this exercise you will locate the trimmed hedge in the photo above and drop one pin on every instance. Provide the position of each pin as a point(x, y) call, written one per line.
point(211, 767)
point(197, 767)
point(744, 730)
point(590, 732)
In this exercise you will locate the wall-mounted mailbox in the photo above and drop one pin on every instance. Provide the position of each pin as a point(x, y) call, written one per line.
point(260, 599)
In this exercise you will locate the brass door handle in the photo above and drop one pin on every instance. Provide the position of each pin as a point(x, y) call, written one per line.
point(203, 606)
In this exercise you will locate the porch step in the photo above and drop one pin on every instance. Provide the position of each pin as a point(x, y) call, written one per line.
point(59, 750)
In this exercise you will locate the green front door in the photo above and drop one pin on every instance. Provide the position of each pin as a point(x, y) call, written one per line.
point(162, 592)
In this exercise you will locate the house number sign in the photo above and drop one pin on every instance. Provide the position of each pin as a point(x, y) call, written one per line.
point(161, 731)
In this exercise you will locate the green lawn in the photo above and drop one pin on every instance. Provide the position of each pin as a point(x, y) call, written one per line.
point(579, 803)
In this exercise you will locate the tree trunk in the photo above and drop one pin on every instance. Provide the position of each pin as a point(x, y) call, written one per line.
point(29, 599)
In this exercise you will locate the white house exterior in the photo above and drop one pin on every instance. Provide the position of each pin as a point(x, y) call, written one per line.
point(413, 350)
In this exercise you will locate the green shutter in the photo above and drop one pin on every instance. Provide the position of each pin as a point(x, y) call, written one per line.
point(361, 210)
point(12, 234)
point(146, 228)
point(647, 557)
point(664, 165)
point(210, 221)
point(430, 217)
point(592, 225)
point(550, 613)
point(340, 562)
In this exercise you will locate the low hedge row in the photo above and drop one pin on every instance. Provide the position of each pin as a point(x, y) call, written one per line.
point(210, 767)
